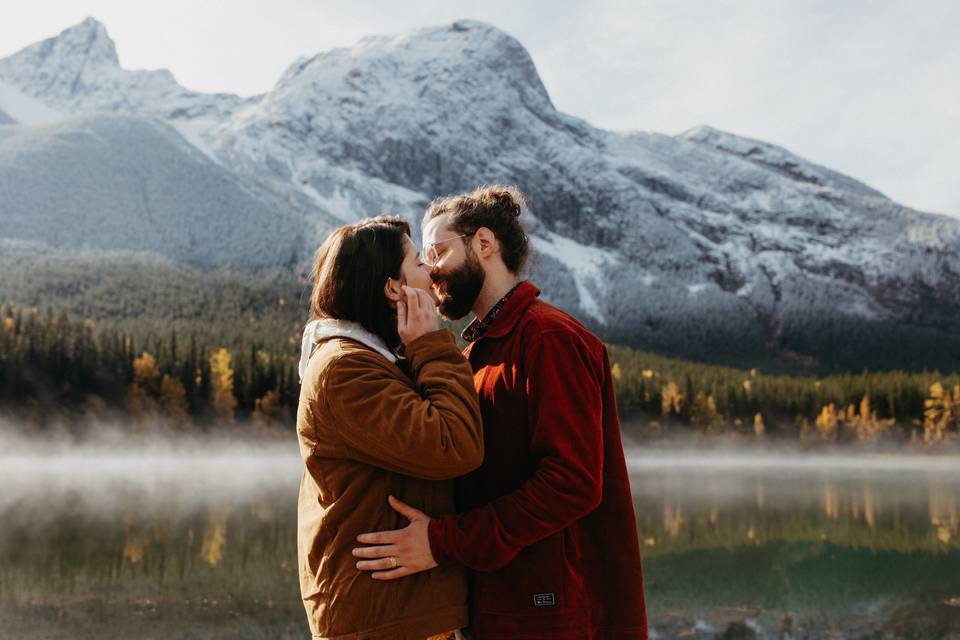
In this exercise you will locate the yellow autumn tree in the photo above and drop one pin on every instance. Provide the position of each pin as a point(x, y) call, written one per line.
point(826, 423)
point(866, 425)
point(861, 422)
point(703, 411)
point(616, 372)
point(671, 399)
point(221, 385)
point(941, 413)
point(173, 399)
point(142, 395)
point(214, 538)
point(758, 427)
point(268, 409)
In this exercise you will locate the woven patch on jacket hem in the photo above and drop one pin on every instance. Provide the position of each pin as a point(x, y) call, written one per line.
point(544, 600)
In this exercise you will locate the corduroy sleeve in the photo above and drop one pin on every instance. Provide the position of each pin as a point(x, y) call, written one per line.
point(564, 388)
point(433, 431)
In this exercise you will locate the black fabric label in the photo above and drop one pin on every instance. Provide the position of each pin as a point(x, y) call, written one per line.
point(544, 600)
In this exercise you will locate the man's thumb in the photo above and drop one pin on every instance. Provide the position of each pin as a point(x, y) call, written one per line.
point(404, 509)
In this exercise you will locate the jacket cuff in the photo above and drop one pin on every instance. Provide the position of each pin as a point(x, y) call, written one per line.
point(430, 346)
point(438, 548)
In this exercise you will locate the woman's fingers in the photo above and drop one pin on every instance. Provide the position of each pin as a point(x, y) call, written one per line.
point(413, 302)
point(426, 302)
point(401, 316)
point(420, 314)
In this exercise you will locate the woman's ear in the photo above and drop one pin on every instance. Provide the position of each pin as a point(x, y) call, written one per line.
point(392, 290)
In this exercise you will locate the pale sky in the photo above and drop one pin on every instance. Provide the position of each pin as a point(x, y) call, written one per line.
point(868, 88)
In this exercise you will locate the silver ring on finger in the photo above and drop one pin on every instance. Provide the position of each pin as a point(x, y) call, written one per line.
point(393, 562)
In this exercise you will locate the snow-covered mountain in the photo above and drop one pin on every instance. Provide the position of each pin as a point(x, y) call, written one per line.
point(701, 220)
point(702, 234)
point(78, 72)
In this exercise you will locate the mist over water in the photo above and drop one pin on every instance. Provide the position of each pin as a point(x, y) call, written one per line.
point(219, 468)
point(200, 533)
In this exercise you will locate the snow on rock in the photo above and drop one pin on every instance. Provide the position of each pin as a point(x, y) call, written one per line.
point(776, 158)
point(694, 289)
point(586, 266)
point(24, 109)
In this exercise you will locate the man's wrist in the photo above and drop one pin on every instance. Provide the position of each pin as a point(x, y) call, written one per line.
point(436, 535)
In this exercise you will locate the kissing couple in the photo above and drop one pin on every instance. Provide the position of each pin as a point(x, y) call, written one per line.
point(481, 494)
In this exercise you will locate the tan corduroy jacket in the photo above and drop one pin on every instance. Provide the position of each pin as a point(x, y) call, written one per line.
point(368, 429)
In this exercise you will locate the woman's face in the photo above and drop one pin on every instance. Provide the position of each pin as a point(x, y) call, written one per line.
point(413, 272)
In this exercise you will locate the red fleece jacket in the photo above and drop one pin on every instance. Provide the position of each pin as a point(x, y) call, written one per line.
point(547, 521)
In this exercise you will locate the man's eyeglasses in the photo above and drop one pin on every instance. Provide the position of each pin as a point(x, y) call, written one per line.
point(430, 254)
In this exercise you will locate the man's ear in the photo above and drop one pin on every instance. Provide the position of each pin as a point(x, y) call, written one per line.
point(487, 241)
point(392, 290)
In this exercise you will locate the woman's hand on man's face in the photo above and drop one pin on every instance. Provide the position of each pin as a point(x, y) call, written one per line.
point(416, 314)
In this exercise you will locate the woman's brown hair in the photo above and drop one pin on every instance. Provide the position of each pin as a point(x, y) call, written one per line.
point(352, 266)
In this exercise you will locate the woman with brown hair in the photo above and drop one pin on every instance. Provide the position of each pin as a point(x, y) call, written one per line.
point(373, 424)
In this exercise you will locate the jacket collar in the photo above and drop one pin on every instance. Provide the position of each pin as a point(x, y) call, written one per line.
point(326, 328)
point(511, 312)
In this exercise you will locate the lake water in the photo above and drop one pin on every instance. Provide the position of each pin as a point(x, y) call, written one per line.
point(172, 543)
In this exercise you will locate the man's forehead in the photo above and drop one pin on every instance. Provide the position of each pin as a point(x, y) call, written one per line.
point(435, 227)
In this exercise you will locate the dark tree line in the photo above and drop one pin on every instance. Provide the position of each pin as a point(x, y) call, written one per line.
point(52, 366)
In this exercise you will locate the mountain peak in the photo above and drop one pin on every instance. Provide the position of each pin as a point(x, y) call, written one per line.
point(483, 45)
point(446, 67)
point(60, 66)
point(88, 40)
point(77, 71)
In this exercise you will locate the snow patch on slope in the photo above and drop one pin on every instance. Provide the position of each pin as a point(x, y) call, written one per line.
point(586, 266)
point(24, 109)
point(193, 132)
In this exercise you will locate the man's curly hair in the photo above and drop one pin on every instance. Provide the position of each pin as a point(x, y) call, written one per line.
point(496, 207)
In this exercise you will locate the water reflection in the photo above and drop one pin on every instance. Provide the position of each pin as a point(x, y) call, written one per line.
point(171, 514)
point(173, 522)
point(189, 535)
point(690, 502)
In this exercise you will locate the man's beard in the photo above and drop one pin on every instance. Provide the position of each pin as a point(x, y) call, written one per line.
point(462, 286)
